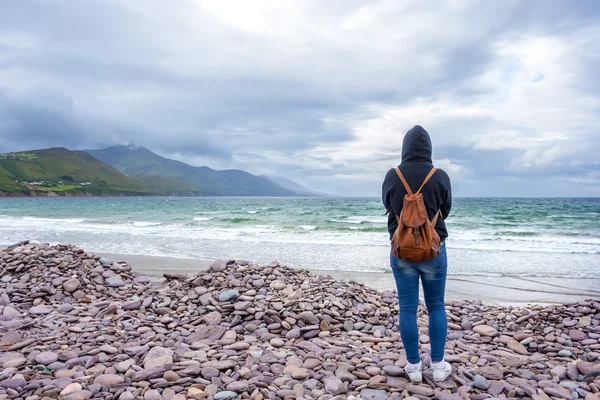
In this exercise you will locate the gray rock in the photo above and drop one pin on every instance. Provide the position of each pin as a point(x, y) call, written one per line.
point(11, 312)
point(229, 295)
point(18, 381)
point(132, 305)
point(480, 382)
point(109, 380)
point(71, 285)
point(158, 356)
point(46, 358)
point(152, 395)
point(239, 386)
point(577, 336)
point(393, 370)
point(373, 394)
point(65, 308)
point(225, 395)
point(565, 353)
point(334, 385)
point(39, 310)
point(115, 281)
point(105, 261)
point(420, 390)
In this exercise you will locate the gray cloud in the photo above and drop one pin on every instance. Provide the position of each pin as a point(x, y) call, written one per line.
point(323, 91)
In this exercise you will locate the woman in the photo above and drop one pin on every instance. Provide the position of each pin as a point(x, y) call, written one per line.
point(416, 165)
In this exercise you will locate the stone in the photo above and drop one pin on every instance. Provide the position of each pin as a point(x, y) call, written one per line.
point(229, 295)
point(393, 370)
point(565, 353)
point(480, 382)
point(123, 366)
point(106, 348)
point(16, 382)
point(373, 394)
point(577, 336)
point(127, 396)
point(225, 395)
point(239, 386)
point(39, 310)
point(11, 312)
point(517, 347)
point(46, 358)
point(195, 393)
point(71, 285)
point(300, 374)
point(115, 282)
point(334, 385)
point(485, 330)
point(132, 305)
point(109, 380)
point(171, 376)
point(158, 356)
point(152, 394)
point(420, 389)
point(79, 395)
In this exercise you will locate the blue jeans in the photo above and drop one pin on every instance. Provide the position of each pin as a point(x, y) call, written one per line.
point(433, 275)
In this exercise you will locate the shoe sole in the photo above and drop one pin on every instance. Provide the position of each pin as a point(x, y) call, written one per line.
point(420, 380)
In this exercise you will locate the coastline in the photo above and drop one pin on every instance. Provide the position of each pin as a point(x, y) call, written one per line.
point(75, 326)
point(500, 290)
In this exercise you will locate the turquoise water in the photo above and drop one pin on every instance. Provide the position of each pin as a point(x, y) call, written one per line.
point(488, 237)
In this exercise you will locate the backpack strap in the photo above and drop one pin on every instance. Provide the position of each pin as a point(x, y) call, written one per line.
point(436, 217)
point(427, 178)
point(406, 186)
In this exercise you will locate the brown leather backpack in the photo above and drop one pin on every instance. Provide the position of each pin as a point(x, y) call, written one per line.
point(415, 239)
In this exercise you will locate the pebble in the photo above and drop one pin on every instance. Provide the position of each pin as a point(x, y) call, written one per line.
point(480, 382)
point(228, 295)
point(227, 394)
point(81, 328)
point(46, 358)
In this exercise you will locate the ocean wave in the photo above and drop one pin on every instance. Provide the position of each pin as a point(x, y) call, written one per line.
point(54, 220)
point(146, 223)
point(308, 227)
point(237, 220)
point(252, 212)
point(359, 220)
point(200, 219)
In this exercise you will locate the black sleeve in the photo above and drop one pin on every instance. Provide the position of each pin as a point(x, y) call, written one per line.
point(385, 192)
point(447, 205)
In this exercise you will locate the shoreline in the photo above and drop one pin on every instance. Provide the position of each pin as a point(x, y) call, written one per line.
point(78, 326)
point(500, 290)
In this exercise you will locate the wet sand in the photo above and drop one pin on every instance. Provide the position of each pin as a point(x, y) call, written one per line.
point(499, 290)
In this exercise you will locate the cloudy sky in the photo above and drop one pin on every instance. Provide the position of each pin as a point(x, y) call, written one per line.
point(321, 91)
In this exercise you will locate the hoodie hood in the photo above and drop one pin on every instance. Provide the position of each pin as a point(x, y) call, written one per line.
point(416, 146)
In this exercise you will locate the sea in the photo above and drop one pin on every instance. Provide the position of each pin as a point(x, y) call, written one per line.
point(528, 237)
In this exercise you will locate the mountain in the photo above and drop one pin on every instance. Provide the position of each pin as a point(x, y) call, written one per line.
point(295, 186)
point(139, 161)
point(58, 171)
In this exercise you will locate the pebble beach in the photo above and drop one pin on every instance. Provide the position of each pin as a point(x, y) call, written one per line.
point(74, 325)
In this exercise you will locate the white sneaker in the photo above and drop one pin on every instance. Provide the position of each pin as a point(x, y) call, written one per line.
point(414, 372)
point(441, 370)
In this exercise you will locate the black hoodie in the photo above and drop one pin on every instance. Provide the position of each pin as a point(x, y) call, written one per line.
point(416, 164)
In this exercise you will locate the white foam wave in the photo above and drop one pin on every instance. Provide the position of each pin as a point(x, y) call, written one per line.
point(145, 223)
point(54, 220)
point(308, 227)
point(252, 212)
point(360, 220)
point(200, 219)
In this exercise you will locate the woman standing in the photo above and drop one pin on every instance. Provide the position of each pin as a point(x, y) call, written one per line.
point(417, 172)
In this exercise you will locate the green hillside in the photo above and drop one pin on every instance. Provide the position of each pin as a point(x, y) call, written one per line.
point(140, 161)
point(63, 172)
